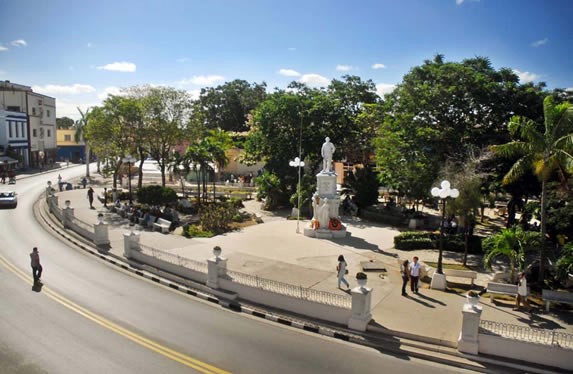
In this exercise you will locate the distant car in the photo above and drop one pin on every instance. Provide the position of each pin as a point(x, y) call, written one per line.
point(8, 199)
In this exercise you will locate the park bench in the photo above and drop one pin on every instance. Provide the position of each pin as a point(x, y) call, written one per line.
point(556, 297)
point(149, 223)
point(500, 211)
point(495, 289)
point(461, 274)
point(499, 276)
point(163, 225)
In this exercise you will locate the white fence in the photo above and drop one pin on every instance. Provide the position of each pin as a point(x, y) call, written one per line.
point(527, 334)
point(54, 208)
point(82, 228)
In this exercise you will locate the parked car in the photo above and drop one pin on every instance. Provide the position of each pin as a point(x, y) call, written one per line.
point(8, 199)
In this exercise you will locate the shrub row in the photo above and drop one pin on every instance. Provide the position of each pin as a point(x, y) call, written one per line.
point(412, 240)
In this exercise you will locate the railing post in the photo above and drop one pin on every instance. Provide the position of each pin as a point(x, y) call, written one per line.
point(216, 268)
point(101, 233)
point(468, 340)
point(361, 304)
point(130, 243)
point(67, 215)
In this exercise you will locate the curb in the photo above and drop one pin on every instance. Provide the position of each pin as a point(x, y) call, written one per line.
point(418, 347)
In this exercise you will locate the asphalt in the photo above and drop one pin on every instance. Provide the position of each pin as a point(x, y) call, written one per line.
point(274, 250)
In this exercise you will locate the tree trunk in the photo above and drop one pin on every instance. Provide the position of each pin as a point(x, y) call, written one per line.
point(87, 160)
point(140, 171)
point(466, 241)
point(543, 231)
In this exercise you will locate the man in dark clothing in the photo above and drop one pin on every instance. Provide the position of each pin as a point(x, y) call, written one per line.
point(36, 266)
point(91, 197)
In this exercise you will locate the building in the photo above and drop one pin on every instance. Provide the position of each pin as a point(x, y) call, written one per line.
point(14, 137)
point(40, 112)
point(68, 148)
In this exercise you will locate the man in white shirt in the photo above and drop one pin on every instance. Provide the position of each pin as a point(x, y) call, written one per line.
point(414, 274)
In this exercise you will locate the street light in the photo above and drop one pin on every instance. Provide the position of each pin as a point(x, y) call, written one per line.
point(129, 160)
point(443, 193)
point(297, 163)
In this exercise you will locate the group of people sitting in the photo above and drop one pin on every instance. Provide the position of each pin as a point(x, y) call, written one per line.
point(9, 175)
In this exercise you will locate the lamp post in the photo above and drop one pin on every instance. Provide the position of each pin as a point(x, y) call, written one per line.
point(297, 163)
point(129, 160)
point(443, 193)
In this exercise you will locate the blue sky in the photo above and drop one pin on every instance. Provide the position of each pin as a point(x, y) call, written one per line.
point(78, 51)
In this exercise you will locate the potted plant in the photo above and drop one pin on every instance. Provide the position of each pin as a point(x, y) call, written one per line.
point(361, 279)
point(472, 298)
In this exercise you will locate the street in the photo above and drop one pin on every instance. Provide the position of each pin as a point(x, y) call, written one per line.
point(92, 318)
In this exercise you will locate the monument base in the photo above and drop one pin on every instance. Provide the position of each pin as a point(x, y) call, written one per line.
point(325, 233)
point(438, 282)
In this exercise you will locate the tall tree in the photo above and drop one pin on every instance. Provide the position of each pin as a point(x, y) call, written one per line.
point(64, 123)
point(547, 151)
point(80, 135)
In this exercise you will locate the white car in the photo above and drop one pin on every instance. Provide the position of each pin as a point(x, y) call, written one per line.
point(8, 199)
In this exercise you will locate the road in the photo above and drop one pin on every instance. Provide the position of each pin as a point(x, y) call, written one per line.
point(92, 318)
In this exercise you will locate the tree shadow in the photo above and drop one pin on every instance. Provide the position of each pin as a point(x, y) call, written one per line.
point(537, 321)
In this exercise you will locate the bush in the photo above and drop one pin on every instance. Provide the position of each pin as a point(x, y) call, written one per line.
point(156, 195)
point(564, 264)
point(216, 217)
point(194, 231)
point(411, 240)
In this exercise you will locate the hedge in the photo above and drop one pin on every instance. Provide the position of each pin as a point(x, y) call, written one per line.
point(412, 240)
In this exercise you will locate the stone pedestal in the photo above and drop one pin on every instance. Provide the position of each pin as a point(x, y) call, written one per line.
point(101, 237)
point(216, 268)
point(130, 243)
point(67, 216)
point(468, 340)
point(438, 281)
point(361, 308)
point(326, 191)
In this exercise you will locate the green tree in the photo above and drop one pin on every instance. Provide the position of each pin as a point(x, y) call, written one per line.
point(546, 151)
point(156, 195)
point(363, 184)
point(64, 123)
point(512, 243)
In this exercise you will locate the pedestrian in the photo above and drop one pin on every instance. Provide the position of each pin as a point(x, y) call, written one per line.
point(91, 197)
point(405, 276)
point(36, 266)
point(522, 293)
point(414, 274)
point(84, 182)
point(60, 182)
point(341, 269)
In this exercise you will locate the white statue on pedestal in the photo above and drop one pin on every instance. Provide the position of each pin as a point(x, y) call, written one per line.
point(327, 151)
point(324, 214)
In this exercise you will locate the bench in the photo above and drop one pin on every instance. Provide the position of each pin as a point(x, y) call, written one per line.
point(494, 289)
point(163, 225)
point(556, 297)
point(499, 276)
point(461, 274)
point(150, 221)
point(501, 211)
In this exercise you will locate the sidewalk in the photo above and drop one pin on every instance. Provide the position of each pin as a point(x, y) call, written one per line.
point(273, 250)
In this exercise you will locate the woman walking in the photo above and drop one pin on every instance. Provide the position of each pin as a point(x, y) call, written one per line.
point(341, 268)
point(521, 296)
point(405, 276)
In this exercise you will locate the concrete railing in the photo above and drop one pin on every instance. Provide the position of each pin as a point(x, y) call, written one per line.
point(512, 341)
point(354, 312)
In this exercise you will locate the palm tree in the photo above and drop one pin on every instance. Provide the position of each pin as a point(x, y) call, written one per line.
point(512, 243)
point(544, 152)
point(79, 136)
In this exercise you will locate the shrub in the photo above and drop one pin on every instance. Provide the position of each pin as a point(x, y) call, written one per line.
point(216, 217)
point(156, 195)
point(194, 231)
point(564, 265)
point(411, 240)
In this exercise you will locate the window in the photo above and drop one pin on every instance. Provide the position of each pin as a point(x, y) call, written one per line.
point(34, 134)
point(23, 129)
point(9, 129)
point(33, 111)
point(49, 133)
point(17, 129)
point(13, 108)
point(48, 112)
point(67, 138)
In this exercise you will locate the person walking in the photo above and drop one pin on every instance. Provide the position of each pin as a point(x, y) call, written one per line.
point(522, 293)
point(36, 266)
point(91, 197)
point(414, 274)
point(405, 276)
point(341, 269)
point(84, 182)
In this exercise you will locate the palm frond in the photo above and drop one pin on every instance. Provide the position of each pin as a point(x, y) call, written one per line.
point(511, 149)
point(518, 169)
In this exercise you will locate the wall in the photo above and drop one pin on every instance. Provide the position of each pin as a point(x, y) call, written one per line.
point(172, 268)
point(546, 355)
point(237, 168)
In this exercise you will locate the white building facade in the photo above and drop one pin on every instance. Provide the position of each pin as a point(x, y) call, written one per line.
point(14, 136)
point(40, 133)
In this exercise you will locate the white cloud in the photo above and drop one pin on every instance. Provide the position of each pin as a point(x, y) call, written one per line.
point(68, 109)
point(182, 59)
point(111, 90)
point(125, 67)
point(289, 73)
point(384, 88)
point(459, 2)
point(54, 89)
point(569, 89)
point(526, 76)
point(202, 80)
point(2, 48)
point(90, 45)
point(539, 43)
point(378, 66)
point(19, 43)
point(314, 80)
point(344, 67)
point(194, 94)
point(292, 49)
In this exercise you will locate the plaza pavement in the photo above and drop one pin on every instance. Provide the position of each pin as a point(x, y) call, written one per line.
point(275, 251)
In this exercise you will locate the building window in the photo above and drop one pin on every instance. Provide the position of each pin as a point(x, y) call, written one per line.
point(48, 112)
point(13, 108)
point(67, 138)
point(23, 129)
point(9, 129)
point(33, 111)
point(17, 129)
point(34, 134)
point(49, 133)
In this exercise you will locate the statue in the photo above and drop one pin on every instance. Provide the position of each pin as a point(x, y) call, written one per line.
point(327, 151)
point(324, 213)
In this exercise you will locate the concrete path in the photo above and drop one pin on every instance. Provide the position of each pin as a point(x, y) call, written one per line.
point(273, 250)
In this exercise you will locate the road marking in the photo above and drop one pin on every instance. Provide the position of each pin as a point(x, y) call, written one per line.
point(147, 343)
